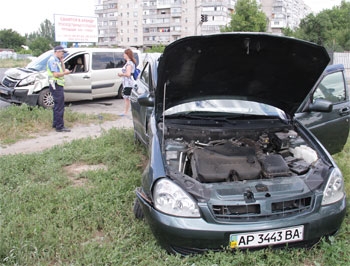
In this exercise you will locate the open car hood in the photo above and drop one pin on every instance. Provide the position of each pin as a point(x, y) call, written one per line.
point(275, 70)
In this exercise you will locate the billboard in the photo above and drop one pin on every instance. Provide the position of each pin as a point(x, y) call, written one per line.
point(75, 28)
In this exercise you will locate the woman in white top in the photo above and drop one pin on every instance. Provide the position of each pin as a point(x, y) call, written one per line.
point(128, 80)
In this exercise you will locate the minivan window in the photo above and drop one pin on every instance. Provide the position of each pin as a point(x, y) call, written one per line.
point(102, 60)
point(106, 60)
point(78, 64)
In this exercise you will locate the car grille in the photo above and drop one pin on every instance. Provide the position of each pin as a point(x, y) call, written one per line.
point(254, 211)
point(9, 83)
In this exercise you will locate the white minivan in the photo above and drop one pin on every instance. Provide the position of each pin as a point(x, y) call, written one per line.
point(94, 75)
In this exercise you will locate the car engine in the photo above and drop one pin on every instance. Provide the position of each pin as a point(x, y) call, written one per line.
point(259, 155)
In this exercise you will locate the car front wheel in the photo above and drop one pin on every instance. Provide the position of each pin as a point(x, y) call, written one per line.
point(45, 99)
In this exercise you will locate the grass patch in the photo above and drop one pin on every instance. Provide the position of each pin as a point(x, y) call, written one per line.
point(46, 219)
point(9, 63)
point(22, 121)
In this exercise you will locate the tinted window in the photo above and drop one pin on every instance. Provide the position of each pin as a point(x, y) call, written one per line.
point(105, 60)
point(137, 58)
point(119, 60)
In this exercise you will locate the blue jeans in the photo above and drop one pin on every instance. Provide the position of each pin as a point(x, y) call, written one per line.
point(58, 108)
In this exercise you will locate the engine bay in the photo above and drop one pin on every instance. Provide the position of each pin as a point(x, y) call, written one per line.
point(250, 156)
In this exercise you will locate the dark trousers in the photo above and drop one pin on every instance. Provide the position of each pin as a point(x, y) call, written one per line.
point(58, 108)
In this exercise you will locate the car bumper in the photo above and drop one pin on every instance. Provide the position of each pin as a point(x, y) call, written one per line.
point(18, 96)
point(195, 235)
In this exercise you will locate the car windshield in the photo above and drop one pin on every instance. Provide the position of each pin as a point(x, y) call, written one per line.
point(239, 107)
point(39, 64)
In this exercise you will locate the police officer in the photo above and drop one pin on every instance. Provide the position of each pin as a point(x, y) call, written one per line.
point(56, 72)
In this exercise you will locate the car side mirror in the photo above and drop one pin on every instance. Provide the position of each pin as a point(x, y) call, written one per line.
point(320, 105)
point(145, 100)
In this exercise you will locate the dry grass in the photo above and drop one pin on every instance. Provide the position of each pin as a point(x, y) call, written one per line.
point(9, 63)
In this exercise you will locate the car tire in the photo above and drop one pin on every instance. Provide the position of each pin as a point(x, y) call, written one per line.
point(138, 210)
point(120, 92)
point(45, 99)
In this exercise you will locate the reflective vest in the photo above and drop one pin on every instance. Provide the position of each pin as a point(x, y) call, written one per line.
point(60, 80)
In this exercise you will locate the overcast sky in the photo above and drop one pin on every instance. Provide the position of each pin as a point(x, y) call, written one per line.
point(319, 5)
point(25, 16)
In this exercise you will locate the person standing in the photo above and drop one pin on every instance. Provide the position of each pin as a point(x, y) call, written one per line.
point(128, 80)
point(56, 72)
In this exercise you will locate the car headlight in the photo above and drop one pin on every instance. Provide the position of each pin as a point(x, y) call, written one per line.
point(334, 191)
point(173, 200)
point(27, 81)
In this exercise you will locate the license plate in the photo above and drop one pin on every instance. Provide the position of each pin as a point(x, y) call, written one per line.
point(265, 238)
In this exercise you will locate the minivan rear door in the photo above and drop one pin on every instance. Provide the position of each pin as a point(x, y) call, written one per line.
point(105, 66)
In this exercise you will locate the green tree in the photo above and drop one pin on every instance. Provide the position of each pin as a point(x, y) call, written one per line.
point(11, 39)
point(247, 17)
point(329, 28)
point(47, 30)
point(40, 45)
point(43, 39)
point(315, 28)
point(155, 49)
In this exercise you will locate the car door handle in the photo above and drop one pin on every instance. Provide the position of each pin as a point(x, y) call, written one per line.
point(344, 111)
point(86, 77)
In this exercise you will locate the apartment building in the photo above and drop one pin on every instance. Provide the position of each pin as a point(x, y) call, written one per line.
point(284, 14)
point(145, 23)
point(119, 22)
point(107, 17)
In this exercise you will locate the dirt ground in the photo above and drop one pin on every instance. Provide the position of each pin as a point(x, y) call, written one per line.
point(50, 139)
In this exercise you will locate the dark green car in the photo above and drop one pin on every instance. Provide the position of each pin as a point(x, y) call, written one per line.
point(230, 122)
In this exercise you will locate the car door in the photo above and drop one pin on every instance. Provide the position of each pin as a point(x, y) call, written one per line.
point(331, 128)
point(78, 84)
point(141, 112)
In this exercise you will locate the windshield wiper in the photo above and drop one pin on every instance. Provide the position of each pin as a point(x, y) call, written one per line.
point(208, 117)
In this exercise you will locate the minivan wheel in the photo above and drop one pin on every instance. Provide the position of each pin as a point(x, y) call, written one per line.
point(120, 92)
point(138, 210)
point(45, 99)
